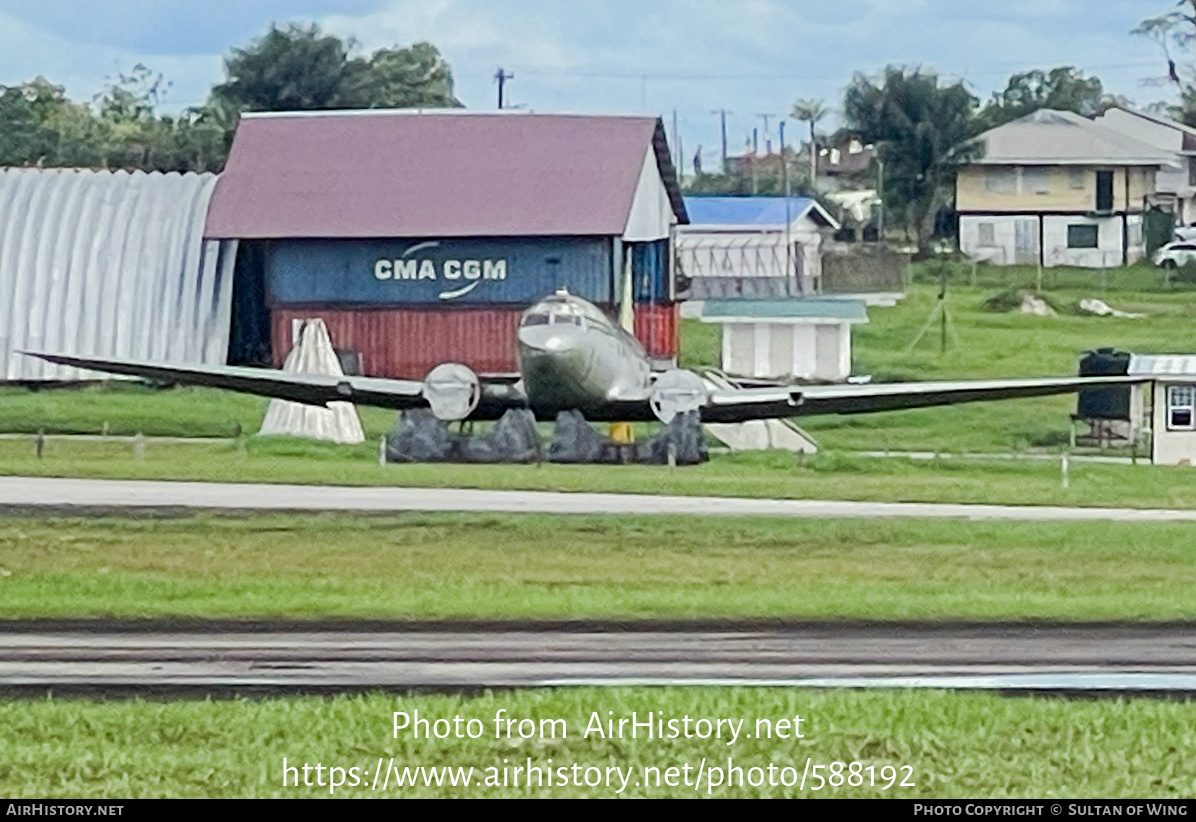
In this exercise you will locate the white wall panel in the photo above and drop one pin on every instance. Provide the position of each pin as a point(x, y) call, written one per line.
point(110, 264)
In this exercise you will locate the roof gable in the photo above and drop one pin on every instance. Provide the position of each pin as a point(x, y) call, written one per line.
point(1051, 137)
point(754, 211)
point(414, 174)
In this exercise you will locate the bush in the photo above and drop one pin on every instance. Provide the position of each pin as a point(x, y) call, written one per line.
point(1011, 299)
point(1184, 274)
point(954, 267)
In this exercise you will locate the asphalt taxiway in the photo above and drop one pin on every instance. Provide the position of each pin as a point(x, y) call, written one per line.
point(132, 496)
point(114, 658)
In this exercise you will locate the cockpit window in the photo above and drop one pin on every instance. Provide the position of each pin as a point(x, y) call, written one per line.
point(562, 309)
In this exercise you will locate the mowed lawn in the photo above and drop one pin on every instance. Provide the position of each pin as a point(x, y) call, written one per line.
point(918, 745)
point(433, 567)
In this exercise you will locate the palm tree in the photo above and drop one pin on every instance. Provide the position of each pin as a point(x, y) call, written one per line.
point(811, 111)
point(924, 131)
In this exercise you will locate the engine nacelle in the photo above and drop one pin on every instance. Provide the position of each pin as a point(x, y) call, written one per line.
point(677, 392)
point(452, 391)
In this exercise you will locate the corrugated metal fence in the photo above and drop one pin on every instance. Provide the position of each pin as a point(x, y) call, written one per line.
point(110, 264)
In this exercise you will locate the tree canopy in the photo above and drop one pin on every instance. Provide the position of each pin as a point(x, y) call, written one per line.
point(1175, 33)
point(1063, 88)
point(300, 68)
point(923, 131)
point(287, 69)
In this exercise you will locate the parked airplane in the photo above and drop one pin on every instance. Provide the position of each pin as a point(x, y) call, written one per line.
point(573, 357)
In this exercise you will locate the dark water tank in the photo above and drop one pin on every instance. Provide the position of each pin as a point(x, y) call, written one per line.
point(1104, 403)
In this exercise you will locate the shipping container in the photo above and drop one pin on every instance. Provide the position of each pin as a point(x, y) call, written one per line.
point(651, 271)
point(448, 272)
point(408, 343)
point(658, 327)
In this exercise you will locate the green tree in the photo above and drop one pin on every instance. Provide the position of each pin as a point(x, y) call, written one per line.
point(413, 77)
point(300, 68)
point(1062, 88)
point(293, 69)
point(120, 128)
point(923, 131)
point(1175, 33)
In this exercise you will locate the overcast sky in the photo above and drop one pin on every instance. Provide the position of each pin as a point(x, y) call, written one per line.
point(751, 57)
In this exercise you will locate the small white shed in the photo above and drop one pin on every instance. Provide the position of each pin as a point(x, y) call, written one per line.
point(1173, 413)
point(806, 339)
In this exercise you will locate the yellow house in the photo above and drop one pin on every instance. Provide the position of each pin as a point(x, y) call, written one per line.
point(1056, 188)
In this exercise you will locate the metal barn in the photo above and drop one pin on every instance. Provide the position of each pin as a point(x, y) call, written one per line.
point(420, 237)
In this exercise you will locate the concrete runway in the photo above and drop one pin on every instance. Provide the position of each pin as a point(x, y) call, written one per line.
point(112, 659)
point(90, 495)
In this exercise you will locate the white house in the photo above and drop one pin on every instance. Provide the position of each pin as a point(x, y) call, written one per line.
point(1054, 188)
point(1176, 184)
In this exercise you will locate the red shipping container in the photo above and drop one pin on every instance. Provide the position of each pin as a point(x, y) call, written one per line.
point(658, 328)
point(408, 343)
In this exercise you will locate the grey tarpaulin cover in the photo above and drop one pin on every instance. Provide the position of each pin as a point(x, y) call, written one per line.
point(313, 354)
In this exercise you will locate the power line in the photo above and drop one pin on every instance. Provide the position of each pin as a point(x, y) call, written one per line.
point(703, 76)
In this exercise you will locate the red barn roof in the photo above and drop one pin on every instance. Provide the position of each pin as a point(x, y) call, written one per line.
point(446, 174)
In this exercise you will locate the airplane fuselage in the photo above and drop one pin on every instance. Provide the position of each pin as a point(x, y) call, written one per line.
point(572, 356)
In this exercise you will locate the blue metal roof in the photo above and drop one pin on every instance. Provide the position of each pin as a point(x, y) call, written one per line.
point(744, 211)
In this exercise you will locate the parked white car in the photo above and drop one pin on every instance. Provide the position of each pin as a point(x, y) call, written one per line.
point(1173, 255)
point(1186, 233)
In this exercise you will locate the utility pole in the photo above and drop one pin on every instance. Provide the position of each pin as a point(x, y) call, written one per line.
point(722, 114)
point(755, 156)
point(767, 133)
point(880, 220)
point(676, 141)
point(501, 77)
point(788, 217)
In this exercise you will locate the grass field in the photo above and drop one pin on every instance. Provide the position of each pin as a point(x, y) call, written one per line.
point(954, 745)
point(545, 567)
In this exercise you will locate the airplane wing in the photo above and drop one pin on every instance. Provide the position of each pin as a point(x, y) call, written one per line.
point(310, 389)
point(723, 405)
point(742, 405)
